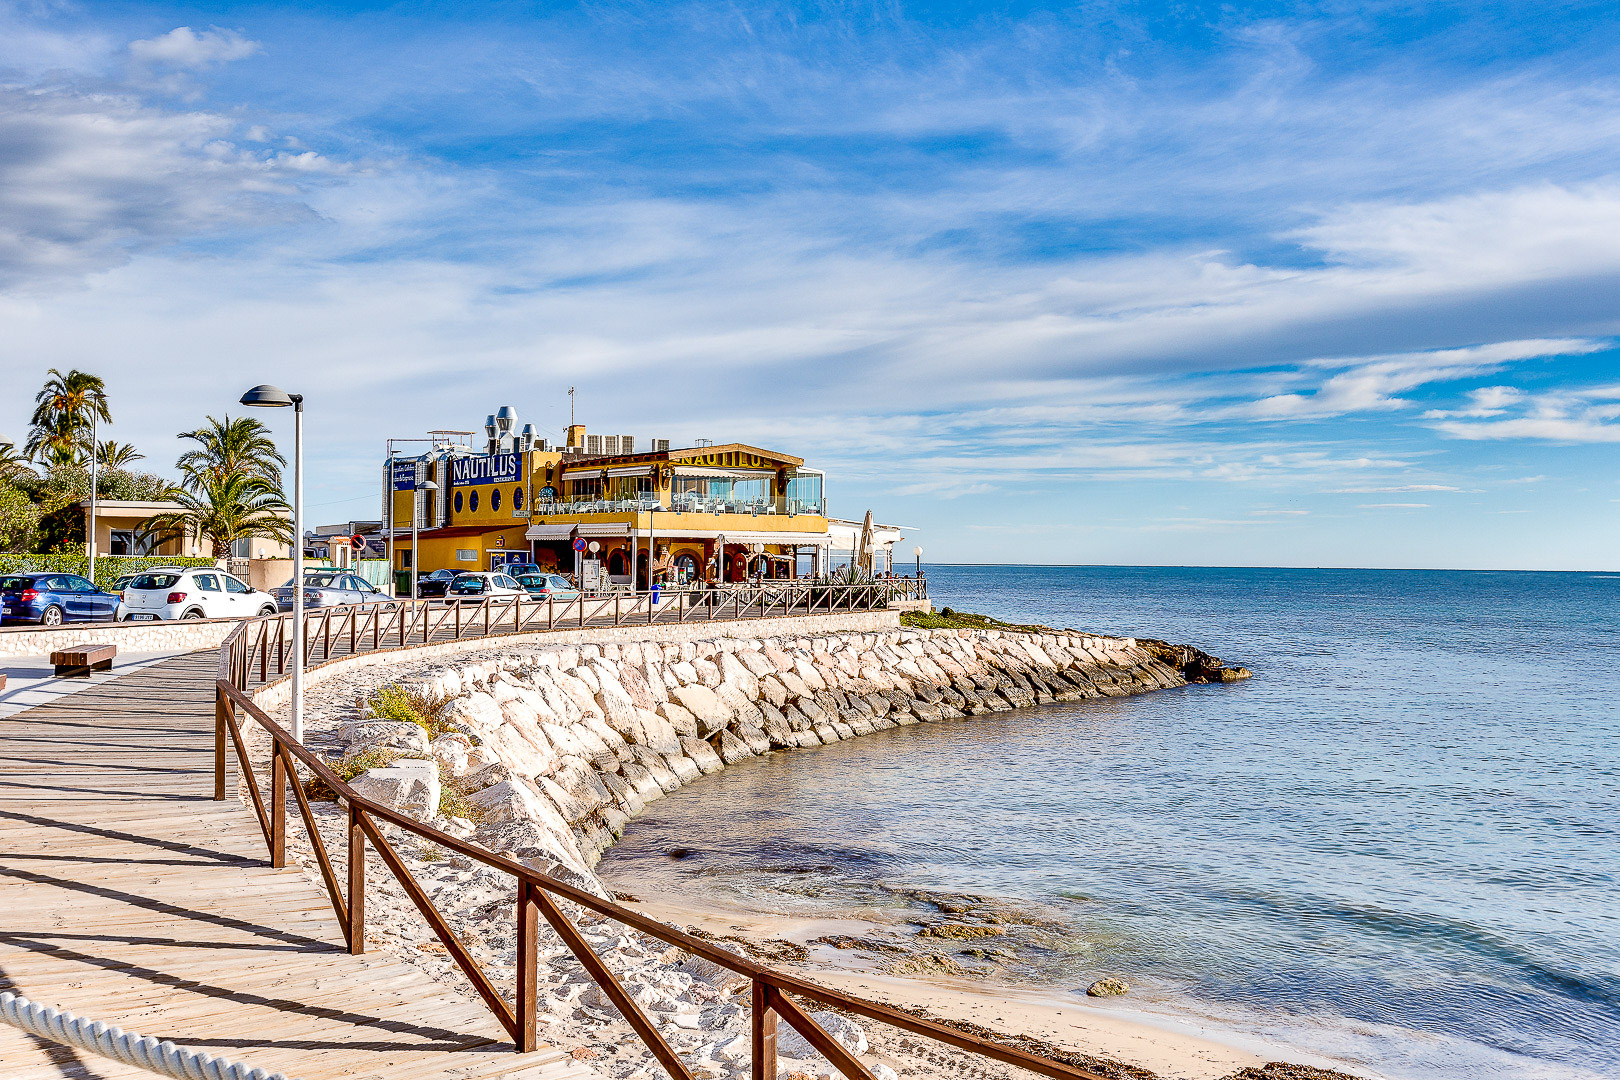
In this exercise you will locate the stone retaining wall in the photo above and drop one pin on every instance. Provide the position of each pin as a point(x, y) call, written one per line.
point(558, 745)
point(183, 635)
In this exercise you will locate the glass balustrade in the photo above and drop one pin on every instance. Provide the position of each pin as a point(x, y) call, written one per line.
point(683, 504)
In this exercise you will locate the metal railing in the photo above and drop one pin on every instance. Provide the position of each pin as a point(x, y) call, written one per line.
point(335, 632)
point(774, 995)
point(677, 504)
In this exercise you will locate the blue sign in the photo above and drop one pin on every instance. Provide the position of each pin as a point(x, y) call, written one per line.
point(404, 475)
point(483, 470)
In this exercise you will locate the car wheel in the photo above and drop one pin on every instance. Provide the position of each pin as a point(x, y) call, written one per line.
point(51, 616)
point(193, 614)
point(266, 610)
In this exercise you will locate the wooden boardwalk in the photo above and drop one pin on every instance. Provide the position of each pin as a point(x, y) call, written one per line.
point(128, 895)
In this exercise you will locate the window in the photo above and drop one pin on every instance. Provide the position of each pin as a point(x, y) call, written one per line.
point(206, 582)
point(494, 500)
point(466, 555)
point(517, 498)
point(79, 584)
point(505, 582)
point(154, 581)
point(405, 559)
point(472, 503)
point(458, 502)
point(234, 586)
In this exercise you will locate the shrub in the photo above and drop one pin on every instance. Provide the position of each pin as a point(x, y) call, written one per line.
point(109, 568)
point(425, 709)
point(348, 769)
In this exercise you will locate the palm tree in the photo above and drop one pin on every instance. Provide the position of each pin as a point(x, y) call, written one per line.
point(240, 447)
point(12, 463)
point(117, 455)
point(223, 510)
point(63, 410)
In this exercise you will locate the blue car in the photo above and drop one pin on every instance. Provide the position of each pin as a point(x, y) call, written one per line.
point(52, 599)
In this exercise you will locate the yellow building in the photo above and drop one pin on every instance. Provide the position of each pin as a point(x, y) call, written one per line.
point(729, 512)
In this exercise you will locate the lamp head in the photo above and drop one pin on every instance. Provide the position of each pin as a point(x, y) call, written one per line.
point(917, 551)
point(428, 485)
point(265, 396)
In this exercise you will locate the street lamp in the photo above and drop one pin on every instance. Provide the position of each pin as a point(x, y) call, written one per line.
point(917, 551)
point(265, 396)
point(416, 516)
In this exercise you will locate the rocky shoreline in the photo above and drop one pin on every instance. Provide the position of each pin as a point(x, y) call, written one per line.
point(546, 752)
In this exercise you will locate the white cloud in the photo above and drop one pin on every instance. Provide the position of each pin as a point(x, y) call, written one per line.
point(186, 49)
point(1391, 489)
point(1393, 506)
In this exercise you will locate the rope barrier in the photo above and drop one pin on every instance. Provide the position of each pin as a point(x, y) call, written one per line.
point(164, 1057)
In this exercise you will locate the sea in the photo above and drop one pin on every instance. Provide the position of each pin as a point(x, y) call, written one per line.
point(1396, 846)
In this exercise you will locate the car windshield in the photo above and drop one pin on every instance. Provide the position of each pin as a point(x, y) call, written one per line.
point(154, 581)
point(559, 582)
point(468, 582)
point(15, 584)
point(537, 581)
point(321, 580)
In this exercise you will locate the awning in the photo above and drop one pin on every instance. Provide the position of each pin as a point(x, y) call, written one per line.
point(563, 530)
point(718, 472)
point(775, 539)
point(578, 473)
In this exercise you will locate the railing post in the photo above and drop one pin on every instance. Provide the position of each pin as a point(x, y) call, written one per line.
point(528, 966)
point(764, 1026)
point(356, 930)
point(221, 703)
point(278, 806)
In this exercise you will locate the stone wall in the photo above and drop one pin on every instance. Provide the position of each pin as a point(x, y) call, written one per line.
point(183, 635)
point(557, 746)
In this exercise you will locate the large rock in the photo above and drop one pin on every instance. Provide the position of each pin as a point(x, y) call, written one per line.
point(791, 1044)
point(383, 735)
point(680, 718)
point(410, 786)
point(705, 706)
point(702, 755)
point(731, 748)
point(575, 790)
point(734, 672)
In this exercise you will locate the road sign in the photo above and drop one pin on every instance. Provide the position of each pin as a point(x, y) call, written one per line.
point(579, 543)
point(357, 542)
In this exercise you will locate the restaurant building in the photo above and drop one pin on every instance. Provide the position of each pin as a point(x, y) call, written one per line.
point(711, 512)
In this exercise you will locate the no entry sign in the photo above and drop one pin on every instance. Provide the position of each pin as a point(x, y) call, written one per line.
point(579, 543)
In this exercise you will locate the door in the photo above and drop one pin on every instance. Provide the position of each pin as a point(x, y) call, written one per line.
point(77, 597)
point(240, 598)
point(212, 598)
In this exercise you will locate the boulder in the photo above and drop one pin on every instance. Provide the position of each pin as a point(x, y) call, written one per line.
point(451, 751)
point(685, 769)
point(791, 1044)
point(397, 735)
point(757, 663)
point(410, 786)
point(575, 790)
point(708, 672)
point(733, 672)
point(730, 748)
point(705, 706)
point(1108, 987)
point(758, 742)
point(702, 754)
point(679, 717)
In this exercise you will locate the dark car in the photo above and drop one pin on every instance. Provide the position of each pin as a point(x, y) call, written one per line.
point(434, 584)
point(519, 569)
point(52, 599)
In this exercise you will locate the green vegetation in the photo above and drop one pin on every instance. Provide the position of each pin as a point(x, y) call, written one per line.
point(230, 486)
point(348, 769)
point(951, 619)
point(426, 710)
point(109, 568)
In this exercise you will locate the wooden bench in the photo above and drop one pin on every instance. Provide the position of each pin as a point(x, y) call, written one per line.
point(80, 660)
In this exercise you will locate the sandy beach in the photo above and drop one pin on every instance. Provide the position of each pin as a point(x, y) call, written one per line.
point(1098, 1029)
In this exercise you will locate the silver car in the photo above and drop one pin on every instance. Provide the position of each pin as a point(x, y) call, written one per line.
point(325, 587)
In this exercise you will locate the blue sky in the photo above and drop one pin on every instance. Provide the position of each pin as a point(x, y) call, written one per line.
point(1278, 284)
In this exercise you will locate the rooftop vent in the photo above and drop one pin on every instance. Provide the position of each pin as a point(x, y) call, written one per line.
point(627, 444)
point(702, 442)
point(593, 444)
point(660, 446)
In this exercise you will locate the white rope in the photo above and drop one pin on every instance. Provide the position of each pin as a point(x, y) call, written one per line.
point(164, 1057)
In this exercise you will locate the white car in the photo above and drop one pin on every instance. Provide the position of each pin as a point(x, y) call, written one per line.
point(193, 593)
point(478, 585)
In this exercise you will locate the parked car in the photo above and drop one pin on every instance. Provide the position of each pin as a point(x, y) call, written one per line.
point(481, 585)
point(325, 587)
point(518, 570)
point(434, 584)
point(547, 586)
point(52, 599)
point(193, 593)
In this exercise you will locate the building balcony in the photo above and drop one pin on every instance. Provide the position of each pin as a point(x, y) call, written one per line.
point(681, 504)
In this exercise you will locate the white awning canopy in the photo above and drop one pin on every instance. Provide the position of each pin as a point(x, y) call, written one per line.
point(563, 530)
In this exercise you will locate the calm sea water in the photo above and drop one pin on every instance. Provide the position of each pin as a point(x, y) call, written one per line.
point(1397, 845)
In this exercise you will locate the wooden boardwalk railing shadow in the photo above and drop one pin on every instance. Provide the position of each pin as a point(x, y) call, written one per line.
point(128, 895)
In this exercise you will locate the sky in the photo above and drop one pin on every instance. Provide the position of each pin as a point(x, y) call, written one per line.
point(1190, 283)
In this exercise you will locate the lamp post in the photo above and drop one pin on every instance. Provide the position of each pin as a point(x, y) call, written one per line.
point(92, 530)
point(265, 396)
point(917, 551)
point(416, 516)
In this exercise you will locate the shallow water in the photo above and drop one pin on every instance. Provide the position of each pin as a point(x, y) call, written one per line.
point(1396, 845)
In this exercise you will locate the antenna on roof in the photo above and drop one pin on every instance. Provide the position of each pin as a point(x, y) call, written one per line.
point(570, 406)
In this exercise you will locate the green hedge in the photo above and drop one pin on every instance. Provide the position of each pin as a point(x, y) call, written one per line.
point(109, 568)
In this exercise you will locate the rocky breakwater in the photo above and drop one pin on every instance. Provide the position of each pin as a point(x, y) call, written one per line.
point(546, 753)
